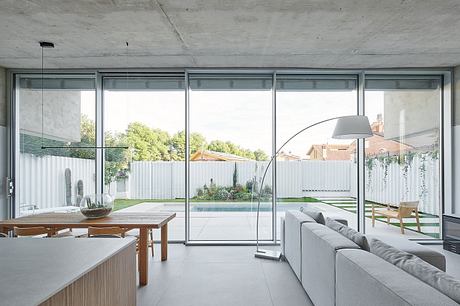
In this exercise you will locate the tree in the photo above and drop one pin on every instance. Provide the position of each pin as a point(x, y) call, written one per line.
point(260, 155)
point(197, 142)
point(148, 143)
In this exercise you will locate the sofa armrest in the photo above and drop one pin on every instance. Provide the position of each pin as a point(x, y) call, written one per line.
point(319, 248)
point(292, 238)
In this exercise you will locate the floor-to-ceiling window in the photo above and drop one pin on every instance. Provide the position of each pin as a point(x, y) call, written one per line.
point(144, 139)
point(313, 169)
point(232, 123)
point(56, 139)
point(231, 133)
point(402, 159)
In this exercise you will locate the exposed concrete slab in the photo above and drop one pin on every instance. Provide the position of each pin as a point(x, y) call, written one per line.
point(257, 33)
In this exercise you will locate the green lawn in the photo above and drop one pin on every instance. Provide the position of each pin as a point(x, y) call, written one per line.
point(123, 203)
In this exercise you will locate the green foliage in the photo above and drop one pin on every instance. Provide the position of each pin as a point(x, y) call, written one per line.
point(231, 193)
point(144, 143)
point(197, 142)
point(147, 143)
point(260, 155)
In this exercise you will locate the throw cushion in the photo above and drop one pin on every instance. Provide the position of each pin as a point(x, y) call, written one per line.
point(316, 214)
point(418, 268)
point(348, 232)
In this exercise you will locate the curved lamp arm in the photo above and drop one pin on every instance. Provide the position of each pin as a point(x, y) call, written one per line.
point(270, 162)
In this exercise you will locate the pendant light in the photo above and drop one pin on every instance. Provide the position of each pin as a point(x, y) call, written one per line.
point(43, 45)
point(46, 45)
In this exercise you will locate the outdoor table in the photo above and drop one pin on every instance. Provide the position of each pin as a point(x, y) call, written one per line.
point(132, 220)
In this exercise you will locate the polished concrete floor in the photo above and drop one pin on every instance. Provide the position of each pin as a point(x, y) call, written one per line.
point(219, 276)
point(229, 275)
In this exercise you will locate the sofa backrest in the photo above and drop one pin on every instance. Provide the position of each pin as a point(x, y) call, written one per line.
point(363, 278)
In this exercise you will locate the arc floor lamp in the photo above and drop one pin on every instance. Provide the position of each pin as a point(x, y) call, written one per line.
point(347, 127)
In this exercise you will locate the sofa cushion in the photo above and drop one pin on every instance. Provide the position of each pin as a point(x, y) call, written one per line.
point(420, 269)
point(349, 233)
point(427, 254)
point(315, 213)
point(364, 279)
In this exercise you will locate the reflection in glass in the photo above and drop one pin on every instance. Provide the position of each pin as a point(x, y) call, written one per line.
point(402, 162)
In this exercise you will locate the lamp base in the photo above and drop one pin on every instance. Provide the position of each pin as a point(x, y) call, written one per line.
point(268, 254)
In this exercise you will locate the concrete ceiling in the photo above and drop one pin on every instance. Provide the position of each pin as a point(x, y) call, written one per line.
point(231, 33)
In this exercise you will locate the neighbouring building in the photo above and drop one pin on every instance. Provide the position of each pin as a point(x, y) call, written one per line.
point(207, 155)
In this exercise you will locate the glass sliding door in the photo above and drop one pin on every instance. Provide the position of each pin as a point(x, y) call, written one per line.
point(402, 159)
point(315, 170)
point(56, 142)
point(146, 115)
point(231, 132)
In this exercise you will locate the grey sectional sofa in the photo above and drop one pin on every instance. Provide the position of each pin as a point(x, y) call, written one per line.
point(336, 271)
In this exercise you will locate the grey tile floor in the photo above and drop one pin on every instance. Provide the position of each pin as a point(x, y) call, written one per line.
point(219, 276)
point(229, 275)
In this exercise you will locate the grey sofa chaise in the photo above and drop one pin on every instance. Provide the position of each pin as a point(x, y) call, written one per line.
point(334, 270)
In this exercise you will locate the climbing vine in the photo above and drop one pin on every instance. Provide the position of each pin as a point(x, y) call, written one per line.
point(422, 173)
point(405, 162)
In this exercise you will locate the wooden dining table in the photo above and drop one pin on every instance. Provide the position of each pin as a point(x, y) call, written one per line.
point(144, 221)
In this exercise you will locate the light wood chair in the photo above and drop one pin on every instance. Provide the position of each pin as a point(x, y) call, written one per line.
point(404, 210)
point(31, 231)
point(117, 232)
point(114, 232)
point(150, 242)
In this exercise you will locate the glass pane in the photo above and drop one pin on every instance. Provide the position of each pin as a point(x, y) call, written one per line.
point(402, 158)
point(230, 143)
point(148, 116)
point(313, 169)
point(55, 166)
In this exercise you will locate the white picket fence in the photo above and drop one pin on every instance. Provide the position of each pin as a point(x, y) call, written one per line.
point(42, 180)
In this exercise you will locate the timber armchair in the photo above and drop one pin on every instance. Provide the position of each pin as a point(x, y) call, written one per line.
point(404, 210)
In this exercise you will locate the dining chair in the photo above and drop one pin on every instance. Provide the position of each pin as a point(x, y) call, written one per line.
point(150, 242)
point(31, 231)
point(106, 232)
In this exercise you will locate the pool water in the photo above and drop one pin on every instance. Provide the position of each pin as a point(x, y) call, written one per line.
point(241, 207)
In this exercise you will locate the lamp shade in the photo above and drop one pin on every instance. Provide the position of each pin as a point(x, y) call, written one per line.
point(352, 127)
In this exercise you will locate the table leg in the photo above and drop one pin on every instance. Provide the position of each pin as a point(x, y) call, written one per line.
point(143, 259)
point(164, 242)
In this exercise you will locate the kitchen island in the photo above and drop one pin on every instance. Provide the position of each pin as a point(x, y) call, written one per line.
point(67, 271)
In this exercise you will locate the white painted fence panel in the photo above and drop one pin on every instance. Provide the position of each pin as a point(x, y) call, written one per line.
point(419, 183)
point(155, 180)
point(42, 179)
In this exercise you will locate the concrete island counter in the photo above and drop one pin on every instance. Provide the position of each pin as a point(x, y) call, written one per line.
point(41, 271)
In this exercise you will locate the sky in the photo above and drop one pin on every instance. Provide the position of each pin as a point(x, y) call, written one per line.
point(242, 117)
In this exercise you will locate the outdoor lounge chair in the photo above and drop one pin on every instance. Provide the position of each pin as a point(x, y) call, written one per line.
point(404, 210)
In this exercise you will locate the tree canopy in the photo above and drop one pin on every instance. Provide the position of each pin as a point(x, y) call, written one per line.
point(143, 142)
